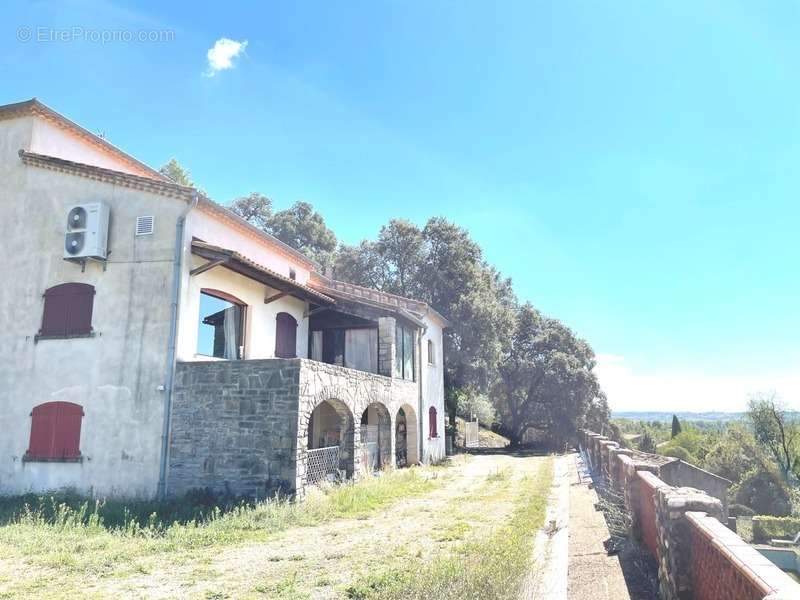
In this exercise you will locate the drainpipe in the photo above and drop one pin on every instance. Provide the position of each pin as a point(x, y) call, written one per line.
point(177, 264)
point(421, 400)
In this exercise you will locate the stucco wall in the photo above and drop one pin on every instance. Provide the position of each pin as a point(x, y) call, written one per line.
point(205, 227)
point(432, 392)
point(260, 317)
point(47, 138)
point(113, 375)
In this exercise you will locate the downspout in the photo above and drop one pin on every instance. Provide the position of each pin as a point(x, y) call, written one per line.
point(421, 400)
point(177, 264)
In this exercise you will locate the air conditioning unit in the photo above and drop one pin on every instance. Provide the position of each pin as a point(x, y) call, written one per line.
point(87, 231)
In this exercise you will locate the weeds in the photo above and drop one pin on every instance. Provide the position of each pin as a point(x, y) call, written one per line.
point(67, 533)
point(490, 568)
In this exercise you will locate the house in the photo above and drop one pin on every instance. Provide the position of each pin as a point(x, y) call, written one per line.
point(154, 342)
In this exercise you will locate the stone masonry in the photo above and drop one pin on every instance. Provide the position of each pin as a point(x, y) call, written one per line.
point(241, 427)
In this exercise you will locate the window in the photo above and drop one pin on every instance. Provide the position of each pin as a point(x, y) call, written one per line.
point(404, 352)
point(333, 346)
point(67, 311)
point(285, 336)
point(221, 325)
point(433, 430)
point(431, 353)
point(55, 432)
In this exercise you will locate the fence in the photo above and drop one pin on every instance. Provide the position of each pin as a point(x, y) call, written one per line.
point(322, 464)
point(471, 434)
point(681, 527)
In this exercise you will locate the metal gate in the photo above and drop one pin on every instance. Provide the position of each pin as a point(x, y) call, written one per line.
point(471, 437)
point(370, 448)
point(322, 464)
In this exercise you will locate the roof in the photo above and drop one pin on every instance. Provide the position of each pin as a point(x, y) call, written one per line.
point(249, 268)
point(358, 293)
point(34, 107)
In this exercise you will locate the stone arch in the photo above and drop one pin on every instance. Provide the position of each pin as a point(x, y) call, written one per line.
point(406, 436)
point(375, 437)
point(330, 423)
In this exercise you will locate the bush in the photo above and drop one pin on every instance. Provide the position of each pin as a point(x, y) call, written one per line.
point(770, 528)
point(764, 491)
point(682, 453)
point(740, 510)
point(470, 403)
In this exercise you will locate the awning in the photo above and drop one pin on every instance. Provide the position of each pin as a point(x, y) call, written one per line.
point(230, 259)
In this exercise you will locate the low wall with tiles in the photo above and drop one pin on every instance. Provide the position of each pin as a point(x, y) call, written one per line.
point(681, 527)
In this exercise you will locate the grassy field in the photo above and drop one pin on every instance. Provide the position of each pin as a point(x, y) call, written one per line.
point(464, 529)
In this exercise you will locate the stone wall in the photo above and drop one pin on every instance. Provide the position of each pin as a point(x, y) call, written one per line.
point(320, 382)
point(683, 474)
point(241, 427)
point(234, 427)
point(681, 528)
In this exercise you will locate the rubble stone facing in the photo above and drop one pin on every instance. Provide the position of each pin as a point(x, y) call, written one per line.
point(698, 557)
point(241, 427)
point(234, 426)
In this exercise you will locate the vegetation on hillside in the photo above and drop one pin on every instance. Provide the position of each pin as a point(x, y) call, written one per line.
point(759, 452)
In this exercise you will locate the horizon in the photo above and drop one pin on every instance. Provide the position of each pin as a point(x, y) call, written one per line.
point(642, 157)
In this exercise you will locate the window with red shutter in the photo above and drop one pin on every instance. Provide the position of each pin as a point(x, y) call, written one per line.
point(433, 430)
point(67, 311)
point(285, 336)
point(55, 432)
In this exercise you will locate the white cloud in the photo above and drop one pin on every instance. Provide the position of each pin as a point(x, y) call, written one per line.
point(220, 57)
point(629, 390)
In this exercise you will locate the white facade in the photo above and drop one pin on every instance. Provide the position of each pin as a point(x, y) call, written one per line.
point(118, 375)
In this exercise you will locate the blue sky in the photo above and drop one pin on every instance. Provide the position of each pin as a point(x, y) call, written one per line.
point(632, 166)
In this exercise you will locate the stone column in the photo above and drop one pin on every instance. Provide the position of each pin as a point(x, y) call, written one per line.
point(386, 346)
point(675, 538)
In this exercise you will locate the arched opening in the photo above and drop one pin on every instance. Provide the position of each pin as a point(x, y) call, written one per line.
point(330, 442)
point(376, 438)
point(406, 446)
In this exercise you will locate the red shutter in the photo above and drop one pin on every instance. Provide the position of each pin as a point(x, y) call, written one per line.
point(79, 316)
point(67, 438)
point(285, 336)
point(432, 425)
point(43, 425)
point(55, 431)
point(68, 310)
point(54, 318)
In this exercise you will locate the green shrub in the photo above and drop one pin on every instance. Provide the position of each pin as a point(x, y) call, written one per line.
point(471, 404)
point(682, 453)
point(764, 491)
point(740, 510)
point(766, 528)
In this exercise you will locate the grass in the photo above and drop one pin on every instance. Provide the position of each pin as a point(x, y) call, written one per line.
point(494, 567)
point(470, 539)
point(70, 534)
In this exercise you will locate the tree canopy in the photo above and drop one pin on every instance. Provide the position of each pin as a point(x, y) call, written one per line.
point(176, 172)
point(776, 432)
point(299, 226)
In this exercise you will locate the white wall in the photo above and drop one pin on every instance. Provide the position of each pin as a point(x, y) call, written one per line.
point(212, 231)
point(52, 140)
point(114, 376)
point(432, 392)
point(260, 317)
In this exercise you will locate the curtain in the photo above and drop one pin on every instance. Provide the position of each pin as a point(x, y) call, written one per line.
point(361, 349)
point(316, 345)
point(229, 327)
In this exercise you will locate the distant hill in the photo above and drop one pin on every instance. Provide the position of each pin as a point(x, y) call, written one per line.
point(683, 416)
